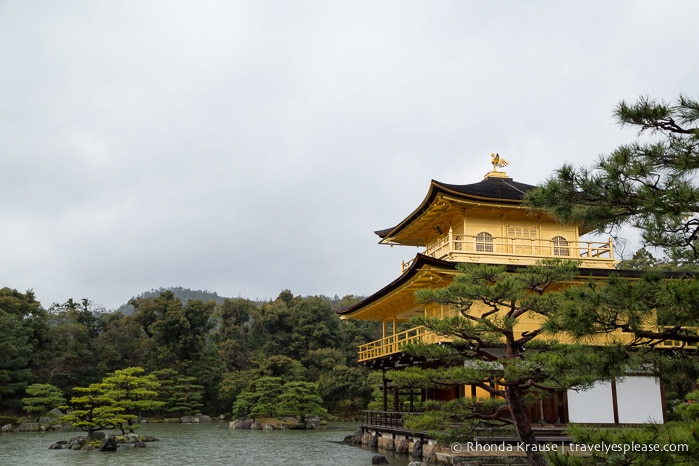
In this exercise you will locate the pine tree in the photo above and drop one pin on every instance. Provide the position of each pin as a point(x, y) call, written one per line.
point(651, 186)
point(300, 399)
point(509, 362)
point(91, 410)
point(42, 398)
point(133, 392)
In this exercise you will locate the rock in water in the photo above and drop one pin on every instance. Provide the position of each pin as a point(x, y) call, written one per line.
point(417, 448)
point(131, 438)
point(77, 443)
point(109, 444)
point(379, 459)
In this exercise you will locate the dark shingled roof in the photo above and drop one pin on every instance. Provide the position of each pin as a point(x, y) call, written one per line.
point(422, 260)
point(492, 188)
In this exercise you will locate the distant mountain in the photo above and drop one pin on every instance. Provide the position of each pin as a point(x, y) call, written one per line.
point(182, 293)
point(186, 293)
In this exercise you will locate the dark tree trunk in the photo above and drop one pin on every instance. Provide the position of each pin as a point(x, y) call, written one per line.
point(523, 425)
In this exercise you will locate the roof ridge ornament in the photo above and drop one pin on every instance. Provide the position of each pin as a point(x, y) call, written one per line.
point(497, 161)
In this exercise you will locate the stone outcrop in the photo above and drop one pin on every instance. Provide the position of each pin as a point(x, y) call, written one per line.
point(29, 427)
point(131, 438)
point(417, 449)
point(79, 443)
point(354, 439)
point(51, 417)
point(240, 424)
point(269, 424)
point(109, 444)
point(403, 446)
point(196, 418)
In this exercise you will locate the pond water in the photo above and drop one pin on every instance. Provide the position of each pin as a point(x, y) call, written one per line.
point(206, 444)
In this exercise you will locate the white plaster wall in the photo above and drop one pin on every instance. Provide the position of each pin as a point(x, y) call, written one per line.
point(639, 400)
point(593, 405)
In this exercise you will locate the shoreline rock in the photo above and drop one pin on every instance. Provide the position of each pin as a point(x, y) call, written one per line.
point(107, 443)
point(274, 424)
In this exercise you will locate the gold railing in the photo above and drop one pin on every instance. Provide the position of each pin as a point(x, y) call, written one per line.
point(461, 248)
point(680, 344)
point(393, 344)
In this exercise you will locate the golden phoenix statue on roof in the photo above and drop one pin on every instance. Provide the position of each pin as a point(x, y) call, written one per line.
point(498, 161)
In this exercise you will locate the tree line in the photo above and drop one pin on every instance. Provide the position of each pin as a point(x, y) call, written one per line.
point(215, 350)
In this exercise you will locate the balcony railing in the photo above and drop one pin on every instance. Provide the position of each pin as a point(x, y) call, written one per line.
point(463, 248)
point(691, 331)
point(394, 344)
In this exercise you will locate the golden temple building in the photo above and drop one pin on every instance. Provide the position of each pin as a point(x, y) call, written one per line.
point(486, 222)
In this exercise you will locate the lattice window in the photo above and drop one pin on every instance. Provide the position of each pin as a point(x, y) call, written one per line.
point(484, 242)
point(560, 246)
point(521, 232)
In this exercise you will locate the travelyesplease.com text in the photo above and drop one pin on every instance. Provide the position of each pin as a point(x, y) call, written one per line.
point(606, 448)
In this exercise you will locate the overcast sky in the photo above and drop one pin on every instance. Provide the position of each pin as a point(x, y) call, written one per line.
point(246, 147)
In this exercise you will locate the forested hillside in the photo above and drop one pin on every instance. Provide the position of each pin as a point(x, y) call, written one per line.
point(183, 294)
point(220, 347)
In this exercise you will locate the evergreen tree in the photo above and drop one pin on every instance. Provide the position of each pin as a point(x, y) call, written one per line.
point(179, 394)
point(122, 343)
point(651, 186)
point(70, 357)
point(91, 410)
point(267, 391)
point(513, 365)
point(23, 342)
point(300, 399)
point(42, 398)
point(232, 332)
point(261, 400)
point(15, 351)
point(133, 392)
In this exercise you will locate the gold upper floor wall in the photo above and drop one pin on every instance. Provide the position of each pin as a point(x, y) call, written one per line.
point(497, 241)
point(470, 223)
